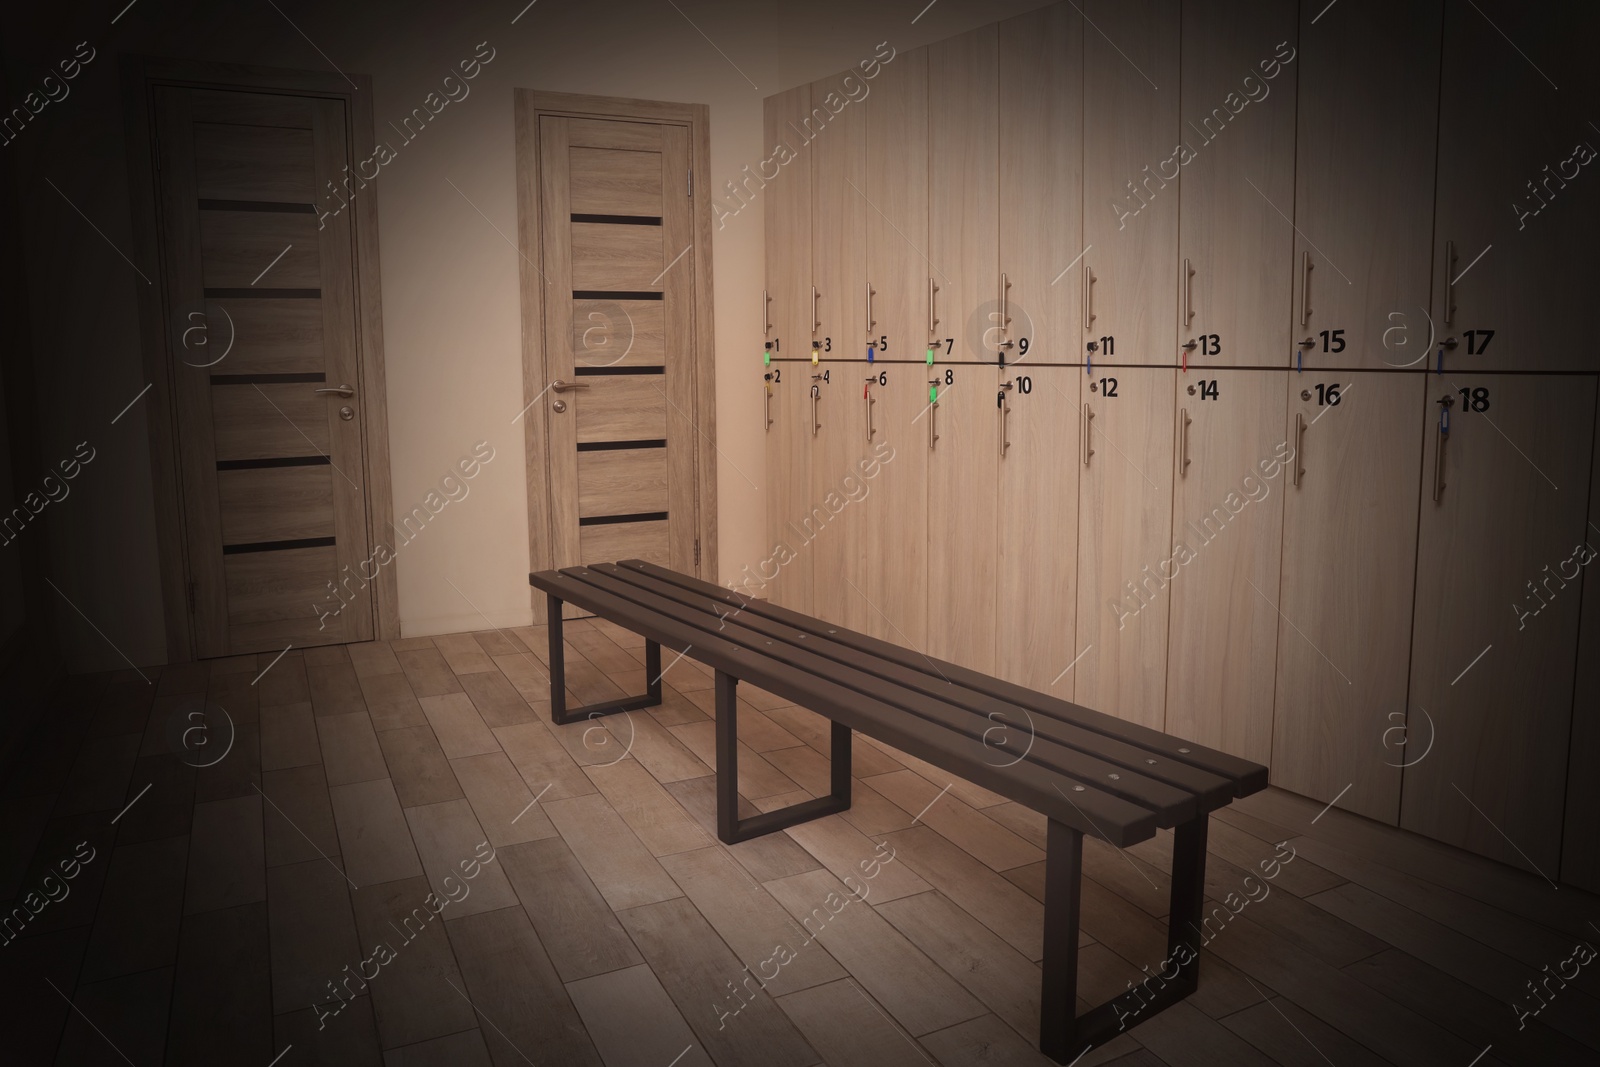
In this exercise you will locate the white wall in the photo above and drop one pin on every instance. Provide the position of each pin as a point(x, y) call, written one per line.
point(451, 316)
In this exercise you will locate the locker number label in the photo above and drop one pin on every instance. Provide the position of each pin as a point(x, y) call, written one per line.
point(1475, 399)
point(1478, 343)
point(1332, 341)
point(1205, 388)
point(1210, 344)
point(1327, 394)
point(1106, 387)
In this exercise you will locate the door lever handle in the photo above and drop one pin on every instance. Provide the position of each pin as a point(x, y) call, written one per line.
point(337, 390)
point(559, 386)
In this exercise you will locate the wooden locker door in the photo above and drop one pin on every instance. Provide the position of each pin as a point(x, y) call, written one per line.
point(1227, 521)
point(963, 243)
point(1516, 220)
point(787, 213)
point(1130, 217)
point(895, 512)
point(963, 500)
point(274, 488)
point(1507, 529)
point(1124, 532)
point(838, 253)
point(1580, 860)
point(1349, 556)
point(1041, 184)
point(1363, 201)
point(1237, 193)
point(1037, 593)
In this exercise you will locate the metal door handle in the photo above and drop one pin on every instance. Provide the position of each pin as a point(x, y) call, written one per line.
point(1299, 446)
point(1088, 414)
point(1183, 442)
point(866, 394)
point(816, 395)
point(933, 413)
point(1005, 305)
point(1449, 282)
point(767, 403)
point(1305, 288)
point(559, 386)
point(337, 390)
point(1005, 415)
point(933, 320)
point(1188, 300)
point(1442, 437)
point(766, 313)
point(816, 323)
point(1088, 298)
point(871, 322)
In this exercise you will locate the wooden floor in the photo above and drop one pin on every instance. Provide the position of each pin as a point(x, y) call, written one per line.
point(276, 902)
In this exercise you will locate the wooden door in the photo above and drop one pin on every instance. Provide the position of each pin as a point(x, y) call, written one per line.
point(1364, 184)
point(895, 511)
point(838, 267)
point(1041, 184)
point(1131, 89)
point(1237, 192)
point(1516, 221)
point(963, 240)
point(1349, 555)
point(1227, 532)
point(1580, 860)
point(785, 573)
point(1504, 517)
point(618, 257)
point(1037, 588)
point(1124, 537)
point(262, 313)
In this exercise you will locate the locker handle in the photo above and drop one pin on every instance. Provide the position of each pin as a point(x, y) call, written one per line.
point(1299, 446)
point(1088, 414)
point(866, 394)
point(1442, 432)
point(1449, 282)
point(1005, 414)
point(1305, 288)
point(1183, 442)
point(1088, 298)
point(871, 322)
point(933, 319)
point(816, 395)
point(767, 403)
point(766, 313)
point(1188, 293)
point(816, 323)
point(933, 412)
point(1005, 305)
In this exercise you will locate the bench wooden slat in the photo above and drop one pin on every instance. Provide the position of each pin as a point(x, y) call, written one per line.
point(1169, 804)
point(1211, 790)
point(1091, 811)
point(1247, 776)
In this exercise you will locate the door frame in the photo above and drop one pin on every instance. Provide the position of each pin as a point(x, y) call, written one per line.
point(531, 104)
point(141, 75)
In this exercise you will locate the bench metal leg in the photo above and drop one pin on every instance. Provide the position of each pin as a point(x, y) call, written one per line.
point(732, 829)
point(560, 714)
point(1063, 1034)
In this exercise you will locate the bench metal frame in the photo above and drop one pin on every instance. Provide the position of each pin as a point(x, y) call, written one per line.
point(1064, 1035)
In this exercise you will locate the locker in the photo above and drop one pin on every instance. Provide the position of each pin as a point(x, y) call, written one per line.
point(963, 250)
point(1127, 278)
point(1517, 209)
point(1580, 860)
point(895, 512)
point(1124, 532)
point(1500, 562)
point(1041, 185)
point(784, 575)
point(1364, 182)
point(1235, 240)
point(963, 498)
point(1037, 592)
point(838, 253)
point(1344, 611)
point(1229, 487)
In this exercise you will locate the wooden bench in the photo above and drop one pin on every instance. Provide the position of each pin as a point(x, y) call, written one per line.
point(1087, 772)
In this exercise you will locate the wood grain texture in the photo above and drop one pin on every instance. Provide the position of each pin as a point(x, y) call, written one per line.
point(1349, 536)
point(245, 162)
point(609, 181)
point(275, 503)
